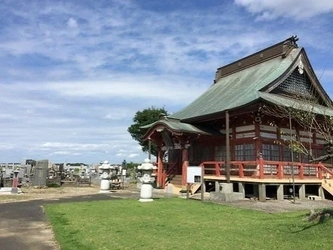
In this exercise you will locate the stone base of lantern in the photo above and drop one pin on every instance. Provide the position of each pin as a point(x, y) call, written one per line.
point(103, 191)
point(9, 190)
point(145, 200)
point(146, 193)
point(105, 186)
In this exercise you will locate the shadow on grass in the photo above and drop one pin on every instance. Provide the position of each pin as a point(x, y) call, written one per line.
point(320, 217)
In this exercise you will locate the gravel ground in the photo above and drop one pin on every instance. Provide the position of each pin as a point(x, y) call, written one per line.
point(32, 193)
point(274, 206)
point(270, 206)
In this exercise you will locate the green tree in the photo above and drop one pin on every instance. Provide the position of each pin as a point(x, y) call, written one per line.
point(132, 165)
point(142, 118)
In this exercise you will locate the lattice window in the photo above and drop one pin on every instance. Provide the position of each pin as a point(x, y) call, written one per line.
point(207, 153)
point(305, 158)
point(270, 152)
point(287, 154)
point(245, 152)
point(220, 153)
point(202, 153)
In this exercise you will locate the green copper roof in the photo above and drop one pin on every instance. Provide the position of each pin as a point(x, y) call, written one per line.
point(296, 104)
point(237, 89)
point(176, 125)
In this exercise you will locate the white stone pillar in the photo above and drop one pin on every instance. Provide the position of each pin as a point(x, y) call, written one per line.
point(280, 192)
point(321, 192)
point(301, 192)
point(262, 192)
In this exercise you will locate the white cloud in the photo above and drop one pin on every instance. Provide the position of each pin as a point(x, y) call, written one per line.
point(297, 9)
point(7, 146)
point(73, 76)
point(135, 88)
point(132, 155)
point(72, 23)
point(62, 153)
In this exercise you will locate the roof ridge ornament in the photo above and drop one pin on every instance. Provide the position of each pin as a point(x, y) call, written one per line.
point(288, 44)
point(293, 40)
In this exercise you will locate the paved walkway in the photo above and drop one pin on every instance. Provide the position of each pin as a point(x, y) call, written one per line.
point(23, 224)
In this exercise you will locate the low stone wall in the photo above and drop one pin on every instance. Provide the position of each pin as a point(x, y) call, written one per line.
point(66, 183)
point(53, 181)
point(7, 182)
point(227, 197)
point(84, 182)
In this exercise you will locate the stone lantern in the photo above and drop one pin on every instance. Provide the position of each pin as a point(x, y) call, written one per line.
point(147, 180)
point(105, 177)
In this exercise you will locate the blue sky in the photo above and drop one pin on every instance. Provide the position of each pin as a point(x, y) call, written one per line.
point(74, 73)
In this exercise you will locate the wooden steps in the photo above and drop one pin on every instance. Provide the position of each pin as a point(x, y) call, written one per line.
point(327, 184)
point(195, 187)
point(176, 185)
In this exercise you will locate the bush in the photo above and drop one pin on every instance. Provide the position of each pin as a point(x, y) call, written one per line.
point(53, 185)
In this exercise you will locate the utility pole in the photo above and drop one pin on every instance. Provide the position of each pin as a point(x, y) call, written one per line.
point(227, 146)
point(292, 157)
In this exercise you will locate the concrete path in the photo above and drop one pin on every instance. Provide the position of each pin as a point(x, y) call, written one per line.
point(23, 224)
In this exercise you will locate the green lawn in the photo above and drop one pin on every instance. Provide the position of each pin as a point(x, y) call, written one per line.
point(176, 223)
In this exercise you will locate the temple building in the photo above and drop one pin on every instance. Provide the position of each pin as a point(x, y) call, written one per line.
point(235, 130)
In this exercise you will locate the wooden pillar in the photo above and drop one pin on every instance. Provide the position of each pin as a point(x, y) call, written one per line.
point(227, 144)
point(261, 167)
point(301, 171)
point(257, 141)
point(240, 170)
point(319, 171)
point(280, 171)
point(160, 176)
point(184, 166)
point(217, 169)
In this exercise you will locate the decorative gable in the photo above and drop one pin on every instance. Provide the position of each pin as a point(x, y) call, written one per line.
point(296, 84)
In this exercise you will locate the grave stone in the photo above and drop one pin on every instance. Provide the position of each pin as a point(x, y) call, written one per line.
point(40, 173)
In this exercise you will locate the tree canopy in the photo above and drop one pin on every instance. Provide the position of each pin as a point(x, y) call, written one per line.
point(142, 118)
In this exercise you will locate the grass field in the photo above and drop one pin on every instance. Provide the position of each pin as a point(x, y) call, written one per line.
point(181, 224)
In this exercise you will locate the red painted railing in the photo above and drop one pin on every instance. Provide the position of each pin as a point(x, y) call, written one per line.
point(262, 169)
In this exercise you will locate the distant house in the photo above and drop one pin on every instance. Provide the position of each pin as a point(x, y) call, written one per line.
point(225, 131)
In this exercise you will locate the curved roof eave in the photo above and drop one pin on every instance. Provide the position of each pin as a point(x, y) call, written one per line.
point(287, 102)
point(175, 126)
